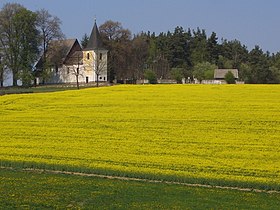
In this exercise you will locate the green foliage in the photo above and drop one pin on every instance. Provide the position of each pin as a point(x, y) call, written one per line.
point(245, 73)
point(26, 77)
point(275, 71)
point(259, 64)
point(198, 47)
point(84, 41)
point(19, 39)
point(229, 78)
point(151, 76)
point(31, 190)
point(177, 74)
point(224, 63)
point(130, 55)
point(204, 71)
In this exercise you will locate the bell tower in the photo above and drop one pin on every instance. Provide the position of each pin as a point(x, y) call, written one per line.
point(95, 58)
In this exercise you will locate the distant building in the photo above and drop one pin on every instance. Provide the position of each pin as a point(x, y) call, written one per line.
point(219, 77)
point(219, 74)
point(67, 60)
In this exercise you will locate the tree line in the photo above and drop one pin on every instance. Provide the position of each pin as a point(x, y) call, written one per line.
point(183, 53)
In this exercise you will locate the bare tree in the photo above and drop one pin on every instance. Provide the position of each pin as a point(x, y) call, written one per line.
point(118, 41)
point(49, 27)
point(76, 71)
point(100, 66)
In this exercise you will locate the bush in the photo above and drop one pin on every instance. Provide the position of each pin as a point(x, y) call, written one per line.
point(151, 76)
point(229, 78)
point(177, 74)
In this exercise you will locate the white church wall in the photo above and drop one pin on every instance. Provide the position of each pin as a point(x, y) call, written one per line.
point(8, 79)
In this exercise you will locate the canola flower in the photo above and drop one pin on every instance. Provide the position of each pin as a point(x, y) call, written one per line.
point(198, 133)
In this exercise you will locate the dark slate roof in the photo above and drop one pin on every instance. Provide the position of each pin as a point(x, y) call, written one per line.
point(75, 58)
point(95, 41)
point(60, 51)
point(221, 73)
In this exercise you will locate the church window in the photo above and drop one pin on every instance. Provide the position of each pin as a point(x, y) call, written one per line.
point(100, 56)
point(100, 77)
point(88, 56)
point(68, 70)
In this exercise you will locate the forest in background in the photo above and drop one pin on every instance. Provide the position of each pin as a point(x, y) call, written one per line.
point(184, 53)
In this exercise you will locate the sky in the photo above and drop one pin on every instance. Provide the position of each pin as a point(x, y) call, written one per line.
point(253, 22)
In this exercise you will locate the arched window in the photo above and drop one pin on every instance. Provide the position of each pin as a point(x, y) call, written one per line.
point(88, 56)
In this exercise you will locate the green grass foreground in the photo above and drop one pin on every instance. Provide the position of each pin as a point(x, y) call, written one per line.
point(27, 190)
point(220, 135)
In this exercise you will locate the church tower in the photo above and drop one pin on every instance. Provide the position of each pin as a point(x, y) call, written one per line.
point(95, 58)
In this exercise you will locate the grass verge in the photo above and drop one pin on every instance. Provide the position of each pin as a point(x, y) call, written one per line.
point(29, 190)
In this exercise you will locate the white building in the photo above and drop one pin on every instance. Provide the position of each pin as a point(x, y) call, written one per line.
point(67, 61)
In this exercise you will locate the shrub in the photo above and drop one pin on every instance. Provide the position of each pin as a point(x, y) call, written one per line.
point(177, 74)
point(229, 78)
point(151, 76)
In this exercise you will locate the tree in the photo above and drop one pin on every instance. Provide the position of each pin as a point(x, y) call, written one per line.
point(260, 72)
point(235, 52)
point(7, 38)
point(150, 75)
point(275, 74)
point(84, 41)
point(100, 65)
point(213, 48)
point(198, 47)
point(76, 69)
point(118, 41)
point(224, 63)
point(112, 30)
point(178, 47)
point(245, 73)
point(19, 41)
point(204, 71)
point(229, 78)
point(49, 27)
point(139, 56)
point(177, 74)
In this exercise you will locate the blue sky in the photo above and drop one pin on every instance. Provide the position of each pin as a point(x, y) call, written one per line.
point(253, 22)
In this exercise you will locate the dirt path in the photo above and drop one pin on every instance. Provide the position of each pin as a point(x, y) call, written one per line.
point(150, 181)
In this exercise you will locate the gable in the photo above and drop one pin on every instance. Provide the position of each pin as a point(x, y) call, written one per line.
point(60, 52)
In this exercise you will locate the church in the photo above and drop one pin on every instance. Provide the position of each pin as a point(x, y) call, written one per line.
point(67, 62)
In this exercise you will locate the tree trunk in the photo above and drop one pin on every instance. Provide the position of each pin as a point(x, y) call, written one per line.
point(1, 79)
point(97, 81)
point(77, 80)
point(14, 81)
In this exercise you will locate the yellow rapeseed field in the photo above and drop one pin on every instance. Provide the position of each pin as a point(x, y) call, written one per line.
point(220, 134)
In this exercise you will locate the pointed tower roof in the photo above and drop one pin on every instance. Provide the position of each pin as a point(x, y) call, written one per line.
point(95, 41)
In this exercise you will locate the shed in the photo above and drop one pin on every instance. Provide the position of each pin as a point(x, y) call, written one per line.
point(219, 74)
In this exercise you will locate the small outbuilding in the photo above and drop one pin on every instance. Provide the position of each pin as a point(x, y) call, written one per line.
point(219, 74)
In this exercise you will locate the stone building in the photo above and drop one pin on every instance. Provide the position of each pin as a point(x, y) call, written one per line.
point(66, 61)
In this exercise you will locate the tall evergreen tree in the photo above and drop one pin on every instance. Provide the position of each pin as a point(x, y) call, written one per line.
point(260, 66)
